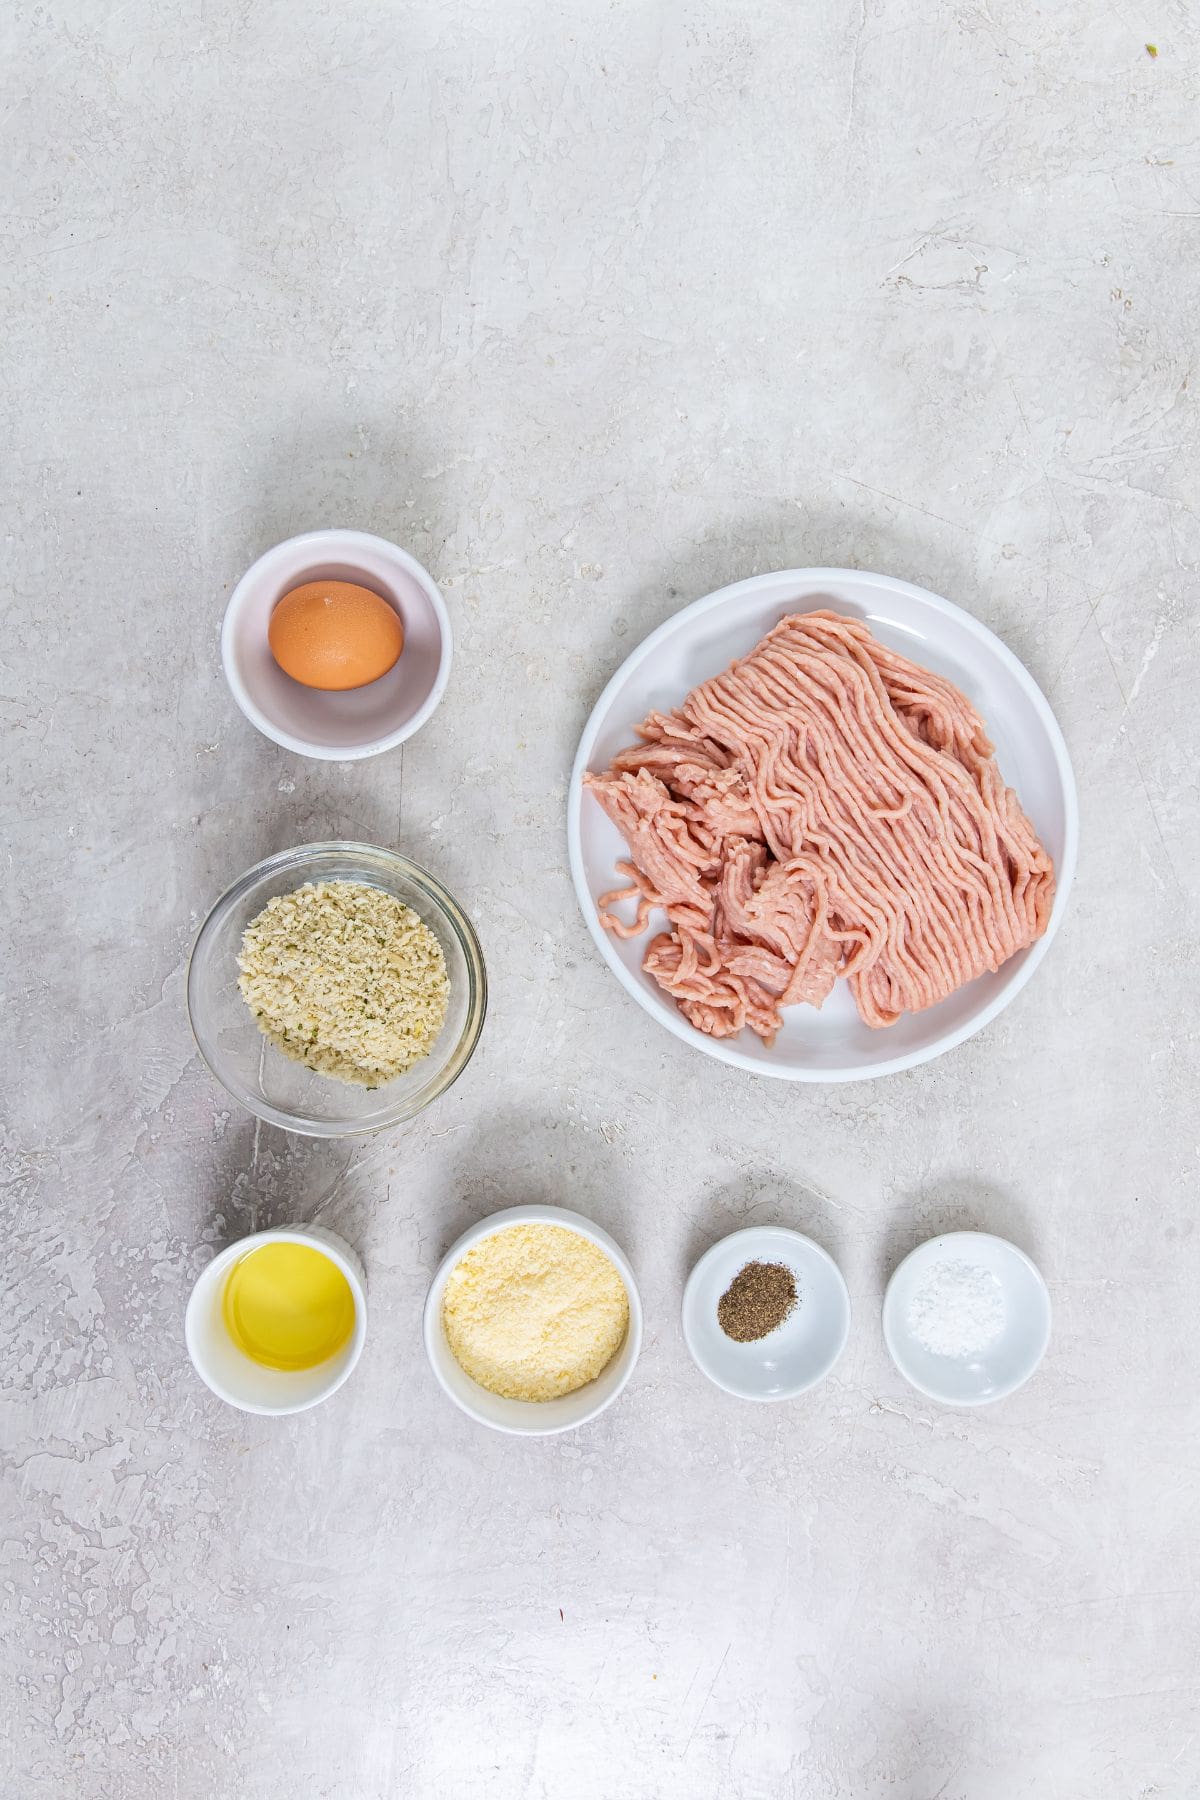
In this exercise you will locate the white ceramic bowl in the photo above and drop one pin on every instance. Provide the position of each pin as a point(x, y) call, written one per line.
point(234, 1376)
point(337, 727)
point(797, 1354)
point(832, 1044)
point(1008, 1362)
point(531, 1418)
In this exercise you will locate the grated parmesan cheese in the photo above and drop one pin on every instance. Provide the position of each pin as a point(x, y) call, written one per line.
point(346, 979)
point(534, 1311)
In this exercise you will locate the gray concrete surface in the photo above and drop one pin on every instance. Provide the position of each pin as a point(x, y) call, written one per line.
point(594, 308)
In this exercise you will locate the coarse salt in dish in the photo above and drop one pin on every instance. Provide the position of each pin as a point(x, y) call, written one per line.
point(966, 1318)
point(958, 1310)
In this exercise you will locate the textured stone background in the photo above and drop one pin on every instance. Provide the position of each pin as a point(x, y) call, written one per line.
point(594, 307)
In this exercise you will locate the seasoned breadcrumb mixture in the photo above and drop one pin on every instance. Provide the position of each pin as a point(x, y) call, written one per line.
point(346, 979)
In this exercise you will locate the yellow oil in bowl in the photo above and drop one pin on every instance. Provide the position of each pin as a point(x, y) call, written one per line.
point(288, 1306)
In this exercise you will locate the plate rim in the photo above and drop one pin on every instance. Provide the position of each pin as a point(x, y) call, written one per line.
point(724, 1050)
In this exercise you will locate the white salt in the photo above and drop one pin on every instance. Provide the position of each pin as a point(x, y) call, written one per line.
point(957, 1310)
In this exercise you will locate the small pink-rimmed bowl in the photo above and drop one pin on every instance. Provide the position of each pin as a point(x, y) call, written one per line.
point(358, 722)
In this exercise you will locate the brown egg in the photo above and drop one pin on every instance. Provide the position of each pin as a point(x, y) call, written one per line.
point(333, 634)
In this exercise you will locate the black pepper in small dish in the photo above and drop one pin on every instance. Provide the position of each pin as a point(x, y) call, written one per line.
point(758, 1299)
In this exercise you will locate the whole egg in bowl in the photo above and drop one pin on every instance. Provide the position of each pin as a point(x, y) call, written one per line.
point(335, 635)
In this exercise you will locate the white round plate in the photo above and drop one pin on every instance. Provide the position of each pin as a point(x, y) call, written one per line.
point(697, 643)
point(797, 1354)
point(1006, 1364)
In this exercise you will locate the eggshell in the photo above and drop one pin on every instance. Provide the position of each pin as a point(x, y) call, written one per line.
point(334, 635)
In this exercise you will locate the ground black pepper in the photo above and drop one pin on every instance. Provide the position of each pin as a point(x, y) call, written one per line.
point(759, 1298)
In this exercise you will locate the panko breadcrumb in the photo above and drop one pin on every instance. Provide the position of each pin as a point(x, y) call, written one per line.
point(346, 979)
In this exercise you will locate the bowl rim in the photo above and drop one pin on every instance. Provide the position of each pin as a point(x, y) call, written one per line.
point(326, 538)
point(316, 1237)
point(488, 1226)
point(464, 930)
point(896, 1340)
point(809, 583)
point(689, 1304)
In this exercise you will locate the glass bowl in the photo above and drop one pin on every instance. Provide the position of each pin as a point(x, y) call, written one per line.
point(259, 1076)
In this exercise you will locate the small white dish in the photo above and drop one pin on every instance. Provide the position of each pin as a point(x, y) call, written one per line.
point(1009, 1360)
point(337, 727)
point(235, 1377)
point(832, 1044)
point(797, 1354)
point(531, 1418)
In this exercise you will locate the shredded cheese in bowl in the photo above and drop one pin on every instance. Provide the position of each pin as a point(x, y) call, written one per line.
point(346, 979)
